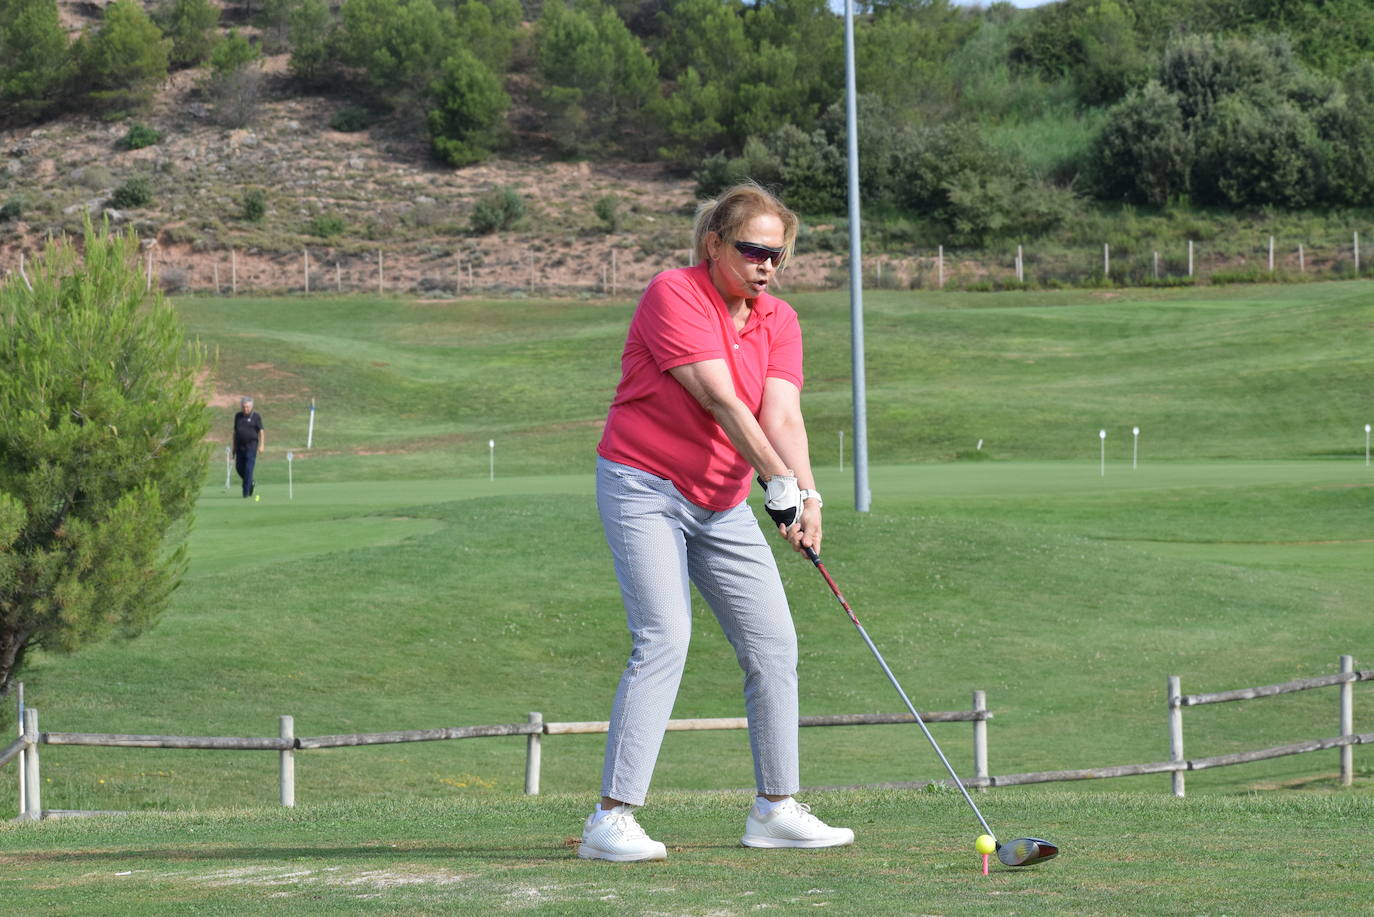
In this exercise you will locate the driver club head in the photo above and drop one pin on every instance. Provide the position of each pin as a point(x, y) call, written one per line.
point(1026, 851)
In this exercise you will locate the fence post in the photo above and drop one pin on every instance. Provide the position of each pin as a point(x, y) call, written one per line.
point(940, 268)
point(1302, 261)
point(532, 753)
point(1357, 254)
point(305, 261)
point(20, 723)
point(1190, 257)
point(980, 738)
point(1020, 266)
point(233, 272)
point(1271, 254)
point(1176, 731)
point(1106, 261)
point(1156, 265)
point(288, 763)
point(33, 798)
point(1347, 723)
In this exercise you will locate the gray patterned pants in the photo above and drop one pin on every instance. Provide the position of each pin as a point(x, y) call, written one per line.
point(661, 542)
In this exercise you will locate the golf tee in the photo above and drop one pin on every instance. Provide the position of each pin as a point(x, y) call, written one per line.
point(985, 864)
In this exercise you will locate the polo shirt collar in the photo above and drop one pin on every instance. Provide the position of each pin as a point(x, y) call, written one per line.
point(763, 305)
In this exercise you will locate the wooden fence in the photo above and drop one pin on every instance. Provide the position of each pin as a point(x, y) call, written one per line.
point(286, 743)
point(1178, 765)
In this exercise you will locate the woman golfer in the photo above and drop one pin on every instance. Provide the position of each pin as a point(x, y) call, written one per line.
point(709, 398)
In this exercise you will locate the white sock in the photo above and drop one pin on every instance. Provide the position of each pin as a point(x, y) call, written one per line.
point(599, 813)
point(766, 805)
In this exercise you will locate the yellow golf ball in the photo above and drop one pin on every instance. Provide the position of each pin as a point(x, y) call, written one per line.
point(986, 843)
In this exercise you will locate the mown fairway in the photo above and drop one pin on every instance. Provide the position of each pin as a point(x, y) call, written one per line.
point(403, 589)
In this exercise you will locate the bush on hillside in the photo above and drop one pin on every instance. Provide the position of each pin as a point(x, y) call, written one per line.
point(35, 62)
point(136, 192)
point(469, 108)
point(192, 26)
point(234, 82)
point(139, 136)
point(254, 205)
point(122, 62)
point(312, 32)
point(496, 210)
point(598, 78)
point(607, 210)
point(350, 119)
point(326, 225)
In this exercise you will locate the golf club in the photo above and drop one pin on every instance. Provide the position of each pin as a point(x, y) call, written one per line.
point(1023, 851)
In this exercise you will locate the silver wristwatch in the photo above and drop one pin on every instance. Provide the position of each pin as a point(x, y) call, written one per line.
point(812, 495)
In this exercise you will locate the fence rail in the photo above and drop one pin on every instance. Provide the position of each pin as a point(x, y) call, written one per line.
point(286, 744)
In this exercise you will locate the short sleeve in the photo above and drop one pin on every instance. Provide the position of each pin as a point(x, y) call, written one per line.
point(785, 349)
point(678, 323)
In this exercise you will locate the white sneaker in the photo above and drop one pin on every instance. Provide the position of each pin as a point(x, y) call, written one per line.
point(791, 824)
point(618, 837)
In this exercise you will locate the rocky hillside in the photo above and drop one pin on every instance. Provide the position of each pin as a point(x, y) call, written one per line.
point(340, 203)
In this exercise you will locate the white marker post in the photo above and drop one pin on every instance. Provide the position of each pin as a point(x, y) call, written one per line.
point(228, 467)
point(290, 486)
point(310, 430)
point(1102, 435)
point(1135, 445)
point(491, 453)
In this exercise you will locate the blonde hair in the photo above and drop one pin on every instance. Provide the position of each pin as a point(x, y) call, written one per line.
point(736, 206)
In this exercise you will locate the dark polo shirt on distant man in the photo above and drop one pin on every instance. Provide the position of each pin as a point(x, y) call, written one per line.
point(249, 441)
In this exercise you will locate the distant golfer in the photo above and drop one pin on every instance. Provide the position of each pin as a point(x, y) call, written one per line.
point(709, 398)
point(249, 441)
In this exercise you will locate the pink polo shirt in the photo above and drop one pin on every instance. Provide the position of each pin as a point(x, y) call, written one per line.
point(654, 423)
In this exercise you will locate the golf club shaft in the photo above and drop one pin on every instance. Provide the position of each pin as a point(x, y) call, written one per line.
point(815, 559)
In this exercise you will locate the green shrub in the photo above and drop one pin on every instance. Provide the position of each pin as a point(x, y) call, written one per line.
point(102, 453)
point(326, 226)
point(191, 25)
point(136, 192)
point(469, 107)
point(498, 209)
point(607, 210)
point(254, 205)
point(12, 209)
point(139, 136)
point(350, 119)
point(122, 62)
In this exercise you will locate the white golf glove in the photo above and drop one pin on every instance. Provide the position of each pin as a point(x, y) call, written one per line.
point(782, 498)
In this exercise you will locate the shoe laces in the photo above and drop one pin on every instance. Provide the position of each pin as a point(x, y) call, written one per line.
point(800, 809)
point(626, 823)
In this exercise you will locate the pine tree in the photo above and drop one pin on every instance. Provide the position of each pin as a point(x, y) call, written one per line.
point(101, 452)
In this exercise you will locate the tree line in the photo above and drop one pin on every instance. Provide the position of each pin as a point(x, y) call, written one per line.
point(986, 122)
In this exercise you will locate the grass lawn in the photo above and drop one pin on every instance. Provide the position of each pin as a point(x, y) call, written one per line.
point(402, 588)
point(1123, 854)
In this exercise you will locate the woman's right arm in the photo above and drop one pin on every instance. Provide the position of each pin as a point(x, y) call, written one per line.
point(709, 382)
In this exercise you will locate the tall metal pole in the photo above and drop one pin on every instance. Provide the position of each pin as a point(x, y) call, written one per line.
point(856, 273)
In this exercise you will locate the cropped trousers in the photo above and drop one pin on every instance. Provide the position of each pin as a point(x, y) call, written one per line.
point(661, 542)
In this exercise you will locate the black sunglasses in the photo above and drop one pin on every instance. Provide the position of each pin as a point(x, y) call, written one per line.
point(757, 254)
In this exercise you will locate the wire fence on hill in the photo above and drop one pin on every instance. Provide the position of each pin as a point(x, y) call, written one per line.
point(514, 269)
